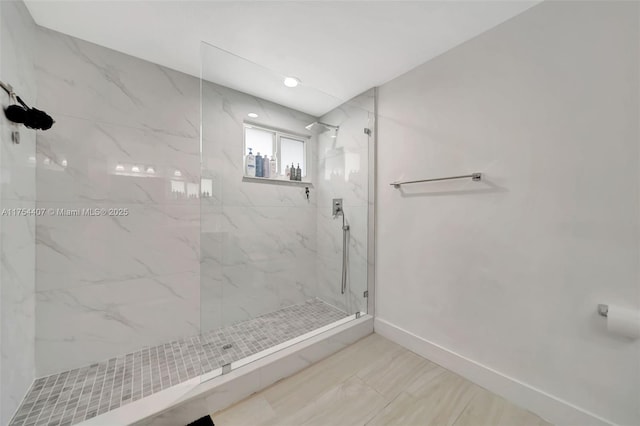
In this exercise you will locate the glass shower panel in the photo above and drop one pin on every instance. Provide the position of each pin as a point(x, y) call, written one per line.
point(272, 249)
point(344, 172)
point(212, 164)
point(104, 252)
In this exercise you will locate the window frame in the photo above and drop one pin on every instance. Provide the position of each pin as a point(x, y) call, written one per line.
point(277, 135)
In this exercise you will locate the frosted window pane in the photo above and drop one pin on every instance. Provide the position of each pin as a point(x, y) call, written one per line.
point(177, 186)
point(260, 141)
point(292, 151)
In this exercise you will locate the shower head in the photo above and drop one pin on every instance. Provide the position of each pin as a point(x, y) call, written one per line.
point(318, 127)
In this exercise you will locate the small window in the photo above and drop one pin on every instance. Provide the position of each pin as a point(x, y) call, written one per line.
point(292, 152)
point(260, 141)
point(286, 147)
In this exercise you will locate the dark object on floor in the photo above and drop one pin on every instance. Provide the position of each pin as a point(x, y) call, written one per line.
point(205, 421)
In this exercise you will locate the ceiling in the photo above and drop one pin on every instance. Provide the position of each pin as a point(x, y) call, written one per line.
point(338, 49)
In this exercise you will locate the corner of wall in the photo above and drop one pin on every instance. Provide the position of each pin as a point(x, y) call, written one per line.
point(17, 190)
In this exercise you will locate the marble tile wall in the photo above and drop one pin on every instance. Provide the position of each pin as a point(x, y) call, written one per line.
point(258, 240)
point(17, 191)
point(126, 136)
point(343, 172)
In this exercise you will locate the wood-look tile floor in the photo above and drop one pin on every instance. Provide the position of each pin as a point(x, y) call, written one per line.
point(375, 382)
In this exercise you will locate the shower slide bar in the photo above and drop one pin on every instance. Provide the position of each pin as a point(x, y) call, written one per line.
point(473, 176)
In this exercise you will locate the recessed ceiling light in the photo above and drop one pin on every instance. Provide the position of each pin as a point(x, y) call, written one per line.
point(291, 81)
point(119, 167)
point(253, 115)
point(150, 170)
point(135, 169)
point(177, 173)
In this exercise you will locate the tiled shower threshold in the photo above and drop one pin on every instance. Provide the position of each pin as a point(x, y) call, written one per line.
point(73, 396)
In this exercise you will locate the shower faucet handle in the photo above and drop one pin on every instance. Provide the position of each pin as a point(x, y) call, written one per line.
point(337, 207)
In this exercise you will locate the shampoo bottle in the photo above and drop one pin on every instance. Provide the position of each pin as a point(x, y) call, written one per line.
point(298, 173)
point(292, 175)
point(265, 166)
point(251, 164)
point(287, 172)
point(273, 167)
point(259, 164)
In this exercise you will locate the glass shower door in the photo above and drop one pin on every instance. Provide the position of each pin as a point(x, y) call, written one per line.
point(271, 248)
point(343, 174)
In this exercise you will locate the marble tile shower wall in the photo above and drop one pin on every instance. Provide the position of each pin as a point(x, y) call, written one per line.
point(17, 191)
point(109, 285)
point(343, 172)
point(126, 134)
point(258, 240)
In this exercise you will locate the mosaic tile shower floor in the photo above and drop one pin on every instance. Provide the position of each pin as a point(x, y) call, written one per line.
point(73, 396)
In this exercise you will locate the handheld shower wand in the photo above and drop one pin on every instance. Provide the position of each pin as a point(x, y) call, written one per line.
point(339, 211)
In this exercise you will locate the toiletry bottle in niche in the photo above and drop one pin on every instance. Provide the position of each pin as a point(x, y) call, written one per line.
point(293, 175)
point(251, 164)
point(287, 172)
point(259, 164)
point(273, 167)
point(298, 173)
point(265, 167)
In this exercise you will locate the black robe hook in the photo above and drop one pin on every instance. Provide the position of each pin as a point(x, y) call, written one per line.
point(32, 118)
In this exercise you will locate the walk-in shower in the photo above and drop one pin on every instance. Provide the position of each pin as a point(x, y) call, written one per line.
point(194, 269)
point(267, 245)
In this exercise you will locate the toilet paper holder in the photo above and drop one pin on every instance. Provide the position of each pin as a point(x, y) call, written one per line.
point(603, 310)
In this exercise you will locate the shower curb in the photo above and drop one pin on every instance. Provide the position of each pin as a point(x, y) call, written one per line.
point(193, 399)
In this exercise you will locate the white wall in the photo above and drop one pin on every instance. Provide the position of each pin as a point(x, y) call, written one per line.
point(17, 189)
point(508, 272)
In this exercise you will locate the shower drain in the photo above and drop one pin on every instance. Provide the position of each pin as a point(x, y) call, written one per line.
point(227, 346)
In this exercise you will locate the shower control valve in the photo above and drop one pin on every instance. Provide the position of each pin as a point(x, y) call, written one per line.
point(337, 207)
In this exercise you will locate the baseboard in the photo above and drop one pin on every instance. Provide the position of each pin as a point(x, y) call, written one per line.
point(549, 407)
